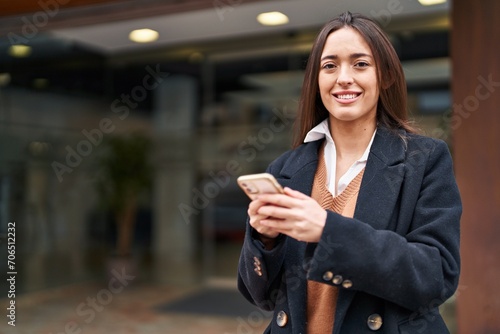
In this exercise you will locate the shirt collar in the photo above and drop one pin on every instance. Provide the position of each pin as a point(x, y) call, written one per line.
point(364, 157)
point(322, 130)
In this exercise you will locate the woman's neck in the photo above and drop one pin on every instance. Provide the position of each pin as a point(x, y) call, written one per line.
point(352, 138)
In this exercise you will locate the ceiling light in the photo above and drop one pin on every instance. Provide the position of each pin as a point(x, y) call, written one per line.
point(143, 35)
point(19, 51)
point(431, 2)
point(272, 18)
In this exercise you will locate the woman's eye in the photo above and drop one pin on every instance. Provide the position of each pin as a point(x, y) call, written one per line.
point(328, 66)
point(362, 64)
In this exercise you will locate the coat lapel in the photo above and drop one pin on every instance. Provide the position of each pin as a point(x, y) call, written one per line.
point(299, 169)
point(377, 196)
point(382, 180)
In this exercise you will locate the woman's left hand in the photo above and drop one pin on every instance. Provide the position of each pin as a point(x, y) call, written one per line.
point(294, 214)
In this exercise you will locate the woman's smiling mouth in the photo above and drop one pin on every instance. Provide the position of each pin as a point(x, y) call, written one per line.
point(346, 97)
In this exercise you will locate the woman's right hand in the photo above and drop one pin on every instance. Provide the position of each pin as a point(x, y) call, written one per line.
point(255, 219)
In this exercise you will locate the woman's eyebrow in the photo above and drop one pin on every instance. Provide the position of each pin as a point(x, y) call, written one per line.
point(352, 56)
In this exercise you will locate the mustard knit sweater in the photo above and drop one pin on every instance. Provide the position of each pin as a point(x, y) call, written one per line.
point(322, 298)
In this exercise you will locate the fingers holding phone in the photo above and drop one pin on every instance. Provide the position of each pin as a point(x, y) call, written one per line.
point(295, 214)
point(255, 219)
point(254, 185)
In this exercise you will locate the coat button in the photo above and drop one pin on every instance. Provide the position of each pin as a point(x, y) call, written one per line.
point(374, 322)
point(327, 275)
point(347, 284)
point(337, 279)
point(281, 318)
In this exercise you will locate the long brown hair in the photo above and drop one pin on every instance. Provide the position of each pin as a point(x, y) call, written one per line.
point(392, 103)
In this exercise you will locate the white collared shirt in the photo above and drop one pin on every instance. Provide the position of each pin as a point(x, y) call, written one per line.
point(322, 130)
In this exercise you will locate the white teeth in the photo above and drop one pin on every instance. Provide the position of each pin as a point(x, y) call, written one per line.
point(347, 96)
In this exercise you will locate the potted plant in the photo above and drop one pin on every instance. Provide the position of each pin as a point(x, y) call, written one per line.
point(124, 175)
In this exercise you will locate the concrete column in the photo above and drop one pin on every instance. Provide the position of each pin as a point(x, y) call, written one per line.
point(475, 52)
point(174, 246)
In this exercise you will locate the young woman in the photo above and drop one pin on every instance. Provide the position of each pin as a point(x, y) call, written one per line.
point(366, 236)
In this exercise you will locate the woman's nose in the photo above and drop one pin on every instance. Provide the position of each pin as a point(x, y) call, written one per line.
point(344, 76)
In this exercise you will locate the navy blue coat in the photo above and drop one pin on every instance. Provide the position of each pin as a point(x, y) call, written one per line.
point(396, 261)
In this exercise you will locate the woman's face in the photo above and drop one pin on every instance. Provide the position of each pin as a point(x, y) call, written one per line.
point(348, 78)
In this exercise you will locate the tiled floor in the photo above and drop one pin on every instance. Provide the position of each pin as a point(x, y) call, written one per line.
point(93, 308)
point(118, 303)
point(96, 308)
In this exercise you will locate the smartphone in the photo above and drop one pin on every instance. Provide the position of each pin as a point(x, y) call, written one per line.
point(255, 184)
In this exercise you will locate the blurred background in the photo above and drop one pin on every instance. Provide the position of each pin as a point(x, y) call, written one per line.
point(124, 124)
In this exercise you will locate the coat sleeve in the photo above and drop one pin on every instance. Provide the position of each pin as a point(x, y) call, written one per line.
point(260, 270)
point(418, 269)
